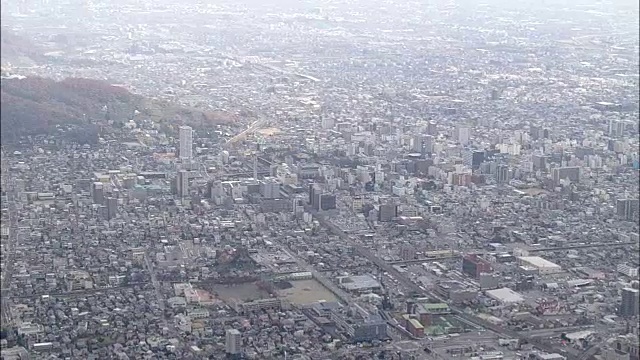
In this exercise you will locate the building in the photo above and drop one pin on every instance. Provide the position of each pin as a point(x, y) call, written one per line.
point(363, 327)
point(233, 342)
point(387, 212)
point(415, 328)
point(112, 207)
point(630, 303)
point(255, 305)
point(97, 192)
point(270, 189)
point(186, 143)
point(624, 347)
point(276, 205)
point(626, 270)
point(502, 173)
point(427, 144)
point(571, 173)
point(327, 202)
point(182, 183)
point(462, 135)
point(616, 128)
point(505, 296)
point(417, 142)
point(541, 265)
point(539, 162)
point(628, 209)
point(473, 265)
point(432, 128)
point(428, 312)
point(359, 284)
point(456, 291)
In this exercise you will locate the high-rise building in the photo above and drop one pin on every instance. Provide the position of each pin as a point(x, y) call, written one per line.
point(182, 183)
point(473, 158)
point(112, 207)
point(186, 143)
point(233, 343)
point(270, 188)
point(502, 173)
point(571, 173)
point(417, 143)
point(539, 162)
point(387, 212)
point(432, 128)
point(327, 202)
point(427, 144)
point(463, 135)
point(628, 209)
point(97, 192)
point(616, 128)
point(630, 303)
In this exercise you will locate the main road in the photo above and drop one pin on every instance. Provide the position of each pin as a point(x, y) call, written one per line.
point(9, 252)
point(240, 136)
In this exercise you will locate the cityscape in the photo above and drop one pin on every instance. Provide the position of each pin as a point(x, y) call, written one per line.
point(320, 179)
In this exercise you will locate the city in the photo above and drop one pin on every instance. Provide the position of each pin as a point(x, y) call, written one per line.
point(380, 180)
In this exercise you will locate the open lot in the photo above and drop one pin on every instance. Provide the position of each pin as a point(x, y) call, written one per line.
point(306, 291)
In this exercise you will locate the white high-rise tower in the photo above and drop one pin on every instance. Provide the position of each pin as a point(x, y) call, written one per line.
point(186, 143)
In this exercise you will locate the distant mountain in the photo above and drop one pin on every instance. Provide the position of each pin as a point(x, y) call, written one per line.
point(17, 49)
point(31, 106)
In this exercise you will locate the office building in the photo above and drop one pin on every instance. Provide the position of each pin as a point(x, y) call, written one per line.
point(112, 207)
point(417, 143)
point(462, 135)
point(313, 190)
point(571, 173)
point(539, 162)
point(186, 143)
point(432, 128)
point(628, 209)
point(97, 193)
point(387, 212)
point(427, 144)
point(502, 174)
point(616, 128)
point(270, 189)
point(327, 202)
point(630, 303)
point(182, 183)
point(473, 265)
point(233, 343)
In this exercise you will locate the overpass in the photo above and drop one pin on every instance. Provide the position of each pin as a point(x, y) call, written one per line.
point(419, 261)
point(581, 246)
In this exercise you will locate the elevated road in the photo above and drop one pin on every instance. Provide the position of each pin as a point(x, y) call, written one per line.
point(242, 135)
point(584, 246)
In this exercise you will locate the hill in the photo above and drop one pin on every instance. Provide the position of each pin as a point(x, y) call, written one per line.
point(17, 49)
point(32, 106)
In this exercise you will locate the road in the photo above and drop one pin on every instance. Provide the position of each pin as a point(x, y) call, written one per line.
point(369, 255)
point(584, 246)
point(240, 136)
point(173, 332)
point(11, 244)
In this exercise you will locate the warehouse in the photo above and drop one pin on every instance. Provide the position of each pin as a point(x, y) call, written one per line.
point(505, 296)
point(542, 265)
